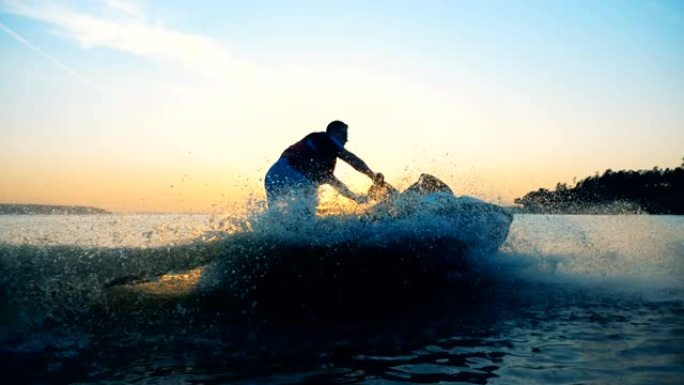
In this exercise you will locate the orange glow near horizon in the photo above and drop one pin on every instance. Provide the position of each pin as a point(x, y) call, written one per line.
point(149, 191)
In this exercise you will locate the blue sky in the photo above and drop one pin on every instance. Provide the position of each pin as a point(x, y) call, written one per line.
point(112, 102)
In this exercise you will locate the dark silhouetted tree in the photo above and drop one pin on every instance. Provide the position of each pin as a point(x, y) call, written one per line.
point(654, 191)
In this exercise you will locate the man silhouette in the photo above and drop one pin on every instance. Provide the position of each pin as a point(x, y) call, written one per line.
point(310, 163)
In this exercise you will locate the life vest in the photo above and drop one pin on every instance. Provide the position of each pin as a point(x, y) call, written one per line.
point(314, 156)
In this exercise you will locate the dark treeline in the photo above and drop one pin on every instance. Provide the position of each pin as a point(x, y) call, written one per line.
point(654, 191)
point(33, 209)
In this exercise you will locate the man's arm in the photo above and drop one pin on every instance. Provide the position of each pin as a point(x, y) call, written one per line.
point(356, 162)
point(344, 190)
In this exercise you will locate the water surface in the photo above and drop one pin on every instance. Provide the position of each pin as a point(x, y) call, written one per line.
point(567, 300)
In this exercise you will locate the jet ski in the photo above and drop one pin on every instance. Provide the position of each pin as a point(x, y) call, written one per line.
point(405, 242)
point(479, 225)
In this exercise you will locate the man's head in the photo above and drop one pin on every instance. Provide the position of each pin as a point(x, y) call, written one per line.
point(338, 130)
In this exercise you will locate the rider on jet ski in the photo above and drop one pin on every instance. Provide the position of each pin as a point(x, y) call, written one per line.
point(310, 163)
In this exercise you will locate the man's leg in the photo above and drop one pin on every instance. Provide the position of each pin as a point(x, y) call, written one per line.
point(289, 190)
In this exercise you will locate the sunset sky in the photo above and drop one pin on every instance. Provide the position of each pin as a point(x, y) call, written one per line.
point(147, 106)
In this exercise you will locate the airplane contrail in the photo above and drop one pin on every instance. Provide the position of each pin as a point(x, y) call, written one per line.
point(47, 56)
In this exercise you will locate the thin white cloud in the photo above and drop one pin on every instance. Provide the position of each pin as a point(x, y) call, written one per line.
point(47, 56)
point(123, 26)
point(127, 7)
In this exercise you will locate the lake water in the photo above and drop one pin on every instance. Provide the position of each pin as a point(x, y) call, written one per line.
point(118, 299)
